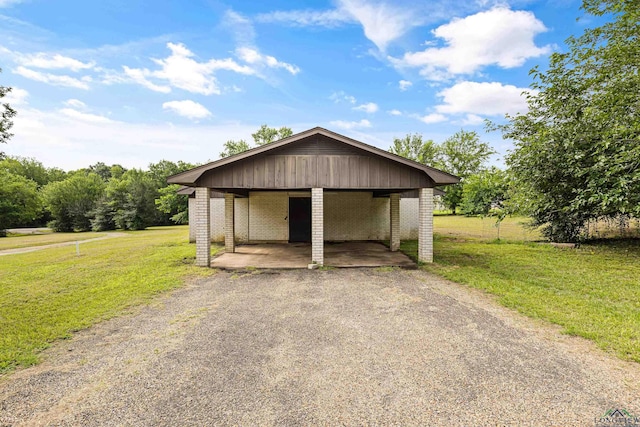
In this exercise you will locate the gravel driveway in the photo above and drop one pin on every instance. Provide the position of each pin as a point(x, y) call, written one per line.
point(350, 346)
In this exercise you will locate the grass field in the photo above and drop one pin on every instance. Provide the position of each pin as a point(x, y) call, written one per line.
point(592, 291)
point(14, 242)
point(47, 295)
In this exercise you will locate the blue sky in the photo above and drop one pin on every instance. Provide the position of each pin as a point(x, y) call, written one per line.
point(134, 82)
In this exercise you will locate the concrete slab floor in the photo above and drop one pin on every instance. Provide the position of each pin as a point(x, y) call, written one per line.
point(298, 255)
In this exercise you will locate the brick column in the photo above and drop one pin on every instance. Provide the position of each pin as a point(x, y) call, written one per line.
point(394, 220)
point(203, 226)
point(229, 223)
point(317, 226)
point(425, 225)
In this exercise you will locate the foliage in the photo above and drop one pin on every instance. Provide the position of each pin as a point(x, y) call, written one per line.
point(32, 169)
point(266, 135)
point(48, 295)
point(414, 148)
point(19, 200)
point(577, 149)
point(164, 169)
point(462, 154)
point(232, 147)
point(71, 201)
point(6, 114)
point(484, 191)
point(174, 204)
point(128, 203)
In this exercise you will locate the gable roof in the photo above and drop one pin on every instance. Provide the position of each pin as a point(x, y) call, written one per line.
point(190, 177)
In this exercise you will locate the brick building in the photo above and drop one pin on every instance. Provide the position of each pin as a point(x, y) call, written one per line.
point(315, 186)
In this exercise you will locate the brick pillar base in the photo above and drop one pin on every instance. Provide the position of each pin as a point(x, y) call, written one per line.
point(394, 220)
point(229, 223)
point(425, 225)
point(203, 226)
point(317, 226)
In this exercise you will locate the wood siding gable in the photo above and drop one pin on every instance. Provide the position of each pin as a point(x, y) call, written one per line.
point(315, 161)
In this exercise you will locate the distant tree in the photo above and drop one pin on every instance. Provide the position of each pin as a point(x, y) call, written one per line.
point(6, 114)
point(128, 203)
point(484, 191)
point(266, 135)
point(577, 148)
point(173, 204)
point(232, 147)
point(463, 155)
point(20, 202)
point(159, 172)
point(27, 167)
point(102, 170)
point(72, 201)
point(414, 148)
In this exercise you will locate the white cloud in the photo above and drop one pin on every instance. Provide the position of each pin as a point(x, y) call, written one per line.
point(498, 36)
point(472, 120)
point(53, 62)
point(382, 22)
point(342, 124)
point(139, 76)
point(492, 99)
point(17, 96)
point(75, 103)
point(7, 3)
point(85, 117)
point(187, 108)
point(184, 72)
point(181, 70)
point(369, 107)
point(432, 118)
point(71, 141)
point(341, 96)
point(253, 57)
point(54, 79)
point(404, 85)
point(395, 112)
point(305, 18)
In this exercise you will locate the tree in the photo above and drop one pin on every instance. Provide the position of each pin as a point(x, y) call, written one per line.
point(27, 167)
point(71, 202)
point(20, 202)
point(462, 154)
point(128, 203)
point(484, 191)
point(577, 149)
point(266, 135)
point(6, 114)
point(414, 148)
point(232, 147)
point(173, 204)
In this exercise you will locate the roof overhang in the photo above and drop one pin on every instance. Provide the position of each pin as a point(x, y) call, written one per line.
point(190, 177)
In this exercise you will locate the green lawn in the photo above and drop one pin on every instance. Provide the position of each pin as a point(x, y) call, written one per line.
point(48, 294)
point(23, 241)
point(592, 291)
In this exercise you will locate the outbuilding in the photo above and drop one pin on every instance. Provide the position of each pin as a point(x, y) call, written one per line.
point(316, 186)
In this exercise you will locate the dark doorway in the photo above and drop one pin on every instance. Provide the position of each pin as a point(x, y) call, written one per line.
point(300, 219)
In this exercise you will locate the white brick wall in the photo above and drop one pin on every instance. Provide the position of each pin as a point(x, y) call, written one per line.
point(425, 225)
point(409, 219)
point(355, 216)
point(202, 225)
point(317, 225)
point(268, 216)
point(347, 216)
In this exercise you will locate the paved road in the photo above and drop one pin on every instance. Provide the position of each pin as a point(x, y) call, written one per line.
point(351, 346)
